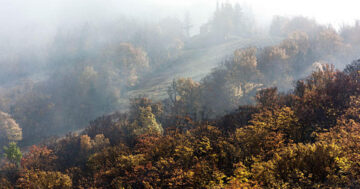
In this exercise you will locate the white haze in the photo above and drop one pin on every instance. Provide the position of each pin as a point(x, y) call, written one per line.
point(40, 18)
point(31, 24)
point(28, 28)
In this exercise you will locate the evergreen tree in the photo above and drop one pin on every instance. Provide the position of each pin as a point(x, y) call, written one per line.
point(13, 153)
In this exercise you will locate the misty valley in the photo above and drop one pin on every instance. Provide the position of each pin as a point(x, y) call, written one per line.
point(225, 100)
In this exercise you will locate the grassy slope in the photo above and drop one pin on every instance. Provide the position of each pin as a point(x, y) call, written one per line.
point(194, 63)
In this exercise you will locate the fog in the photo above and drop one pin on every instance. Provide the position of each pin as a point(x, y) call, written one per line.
point(78, 60)
point(32, 24)
point(37, 18)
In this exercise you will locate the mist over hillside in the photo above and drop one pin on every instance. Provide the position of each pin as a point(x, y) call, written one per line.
point(78, 61)
point(237, 86)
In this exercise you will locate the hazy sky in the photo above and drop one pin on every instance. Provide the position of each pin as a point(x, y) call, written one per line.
point(44, 10)
point(324, 11)
point(24, 18)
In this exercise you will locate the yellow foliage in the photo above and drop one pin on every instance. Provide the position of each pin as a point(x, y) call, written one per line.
point(304, 166)
point(44, 179)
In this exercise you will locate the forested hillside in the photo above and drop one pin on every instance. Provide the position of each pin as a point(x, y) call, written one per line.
point(135, 104)
point(307, 138)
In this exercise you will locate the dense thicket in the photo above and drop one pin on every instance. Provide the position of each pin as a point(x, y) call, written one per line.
point(307, 138)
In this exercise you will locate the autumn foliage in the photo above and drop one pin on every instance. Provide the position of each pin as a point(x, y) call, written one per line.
point(232, 129)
